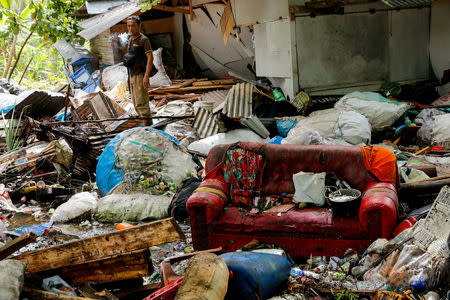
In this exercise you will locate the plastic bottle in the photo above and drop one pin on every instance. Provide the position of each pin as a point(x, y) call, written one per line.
point(278, 95)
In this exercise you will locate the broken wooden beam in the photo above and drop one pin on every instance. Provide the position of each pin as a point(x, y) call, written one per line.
point(175, 97)
point(131, 265)
point(17, 244)
point(191, 11)
point(214, 82)
point(423, 151)
point(44, 295)
point(171, 9)
point(193, 88)
point(103, 246)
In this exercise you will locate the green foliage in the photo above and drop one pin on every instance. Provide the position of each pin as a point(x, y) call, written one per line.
point(345, 295)
point(12, 132)
point(49, 21)
point(147, 4)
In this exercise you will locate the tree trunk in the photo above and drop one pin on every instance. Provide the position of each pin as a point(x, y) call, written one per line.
point(18, 55)
point(26, 69)
point(11, 55)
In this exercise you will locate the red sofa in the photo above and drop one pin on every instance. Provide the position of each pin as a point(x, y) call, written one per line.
point(216, 222)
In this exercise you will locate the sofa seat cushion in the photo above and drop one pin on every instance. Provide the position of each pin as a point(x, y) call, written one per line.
point(313, 222)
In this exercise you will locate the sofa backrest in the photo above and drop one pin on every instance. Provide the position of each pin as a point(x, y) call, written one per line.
point(283, 161)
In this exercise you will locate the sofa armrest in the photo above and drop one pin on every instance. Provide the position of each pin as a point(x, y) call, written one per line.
point(213, 195)
point(205, 205)
point(378, 210)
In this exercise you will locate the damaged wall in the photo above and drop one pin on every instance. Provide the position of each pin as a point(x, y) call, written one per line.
point(275, 44)
point(362, 48)
point(208, 47)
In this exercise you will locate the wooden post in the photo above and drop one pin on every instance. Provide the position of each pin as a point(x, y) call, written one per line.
point(191, 10)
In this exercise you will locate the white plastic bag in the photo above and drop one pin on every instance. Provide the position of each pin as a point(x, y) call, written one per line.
point(380, 111)
point(114, 74)
point(309, 187)
point(78, 205)
point(160, 78)
point(440, 135)
point(331, 126)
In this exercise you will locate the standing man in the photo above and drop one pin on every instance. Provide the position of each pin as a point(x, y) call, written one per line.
point(139, 71)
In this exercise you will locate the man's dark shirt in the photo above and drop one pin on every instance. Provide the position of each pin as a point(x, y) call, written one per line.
point(141, 46)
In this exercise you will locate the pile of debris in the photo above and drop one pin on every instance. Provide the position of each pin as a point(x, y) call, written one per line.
point(77, 167)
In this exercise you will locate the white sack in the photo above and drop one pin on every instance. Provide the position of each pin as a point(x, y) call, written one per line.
point(309, 187)
point(380, 111)
point(78, 205)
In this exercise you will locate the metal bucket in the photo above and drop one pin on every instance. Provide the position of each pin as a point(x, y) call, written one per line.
point(345, 202)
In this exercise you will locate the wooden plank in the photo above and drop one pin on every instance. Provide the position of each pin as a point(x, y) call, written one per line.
point(194, 88)
point(44, 295)
point(214, 82)
point(16, 244)
point(103, 246)
point(171, 9)
point(425, 150)
point(131, 265)
point(227, 23)
point(185, 83)
point(176, 97)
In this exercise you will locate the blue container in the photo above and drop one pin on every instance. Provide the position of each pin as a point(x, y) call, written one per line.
point(255, 274)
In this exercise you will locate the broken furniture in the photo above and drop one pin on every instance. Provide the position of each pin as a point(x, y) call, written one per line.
point(113, 256)
point(216, 222)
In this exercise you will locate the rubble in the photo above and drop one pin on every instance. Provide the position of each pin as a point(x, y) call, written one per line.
point(361, 180)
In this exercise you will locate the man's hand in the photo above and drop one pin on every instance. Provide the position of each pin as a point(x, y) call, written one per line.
point(146, 82)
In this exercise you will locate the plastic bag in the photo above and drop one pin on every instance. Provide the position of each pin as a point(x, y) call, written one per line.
point(353, 128)
point(160, 78)
point(309, 187)
point(78, 205)
point(331, 126)
point(152, 162)
point(381, 112)
point(175, 108)
point(440, 135)
point(114, 74)
point(284, 126)
point(305, 136)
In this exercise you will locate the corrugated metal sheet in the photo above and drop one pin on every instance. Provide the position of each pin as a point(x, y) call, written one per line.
point(206, 123)
point(407, 3)
point(100, 7)
point(238, 102)
point(100, 23)
point(256, 126)
point(214, 97)
point(40, 103)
